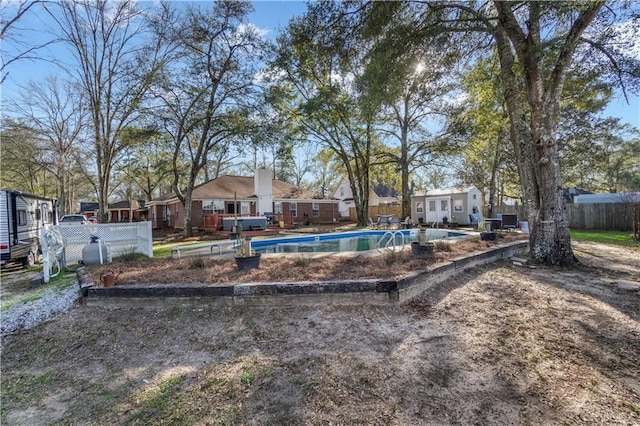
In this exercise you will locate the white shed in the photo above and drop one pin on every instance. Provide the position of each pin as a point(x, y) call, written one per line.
point(437, 204)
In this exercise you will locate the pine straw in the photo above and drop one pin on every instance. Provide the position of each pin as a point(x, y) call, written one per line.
point(286, 268)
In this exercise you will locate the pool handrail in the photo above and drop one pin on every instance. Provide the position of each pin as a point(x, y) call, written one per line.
point(392, 237)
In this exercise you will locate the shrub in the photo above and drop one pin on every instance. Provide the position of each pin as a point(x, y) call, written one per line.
point(129, 254)
point(442, 245)
point(301, 261)
point(196, 263)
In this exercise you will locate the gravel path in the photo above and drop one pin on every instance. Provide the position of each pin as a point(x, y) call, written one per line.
point(26, 315)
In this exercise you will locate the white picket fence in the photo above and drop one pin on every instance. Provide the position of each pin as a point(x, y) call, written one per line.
point(120, 238)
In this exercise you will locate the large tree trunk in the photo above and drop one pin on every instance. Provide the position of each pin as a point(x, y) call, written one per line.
point(404, 168)
point(534, 142)
point(539, 172)
point(188, 231)
point(360, 189)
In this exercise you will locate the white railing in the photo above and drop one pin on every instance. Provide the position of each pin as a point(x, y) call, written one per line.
point(392, 239)
point(120, 238)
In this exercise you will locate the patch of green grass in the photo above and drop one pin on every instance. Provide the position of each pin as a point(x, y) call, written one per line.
point(247, 378)
point(22, 389)
point(606, 237)
point(60, 282)
point(159, 401)
point(164, 250)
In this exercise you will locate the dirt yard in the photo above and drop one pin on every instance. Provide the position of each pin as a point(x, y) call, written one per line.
point(502, 344)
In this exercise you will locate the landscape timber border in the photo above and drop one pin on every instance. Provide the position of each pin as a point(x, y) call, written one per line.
point(371, 291)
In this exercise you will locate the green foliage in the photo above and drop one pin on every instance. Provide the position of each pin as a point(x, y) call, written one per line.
point(598, 154)
point(321, 56)
point(487, 159)
point(247, 378)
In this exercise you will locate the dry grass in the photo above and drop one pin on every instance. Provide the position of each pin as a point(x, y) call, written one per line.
point(213, 270)
point(496, 345)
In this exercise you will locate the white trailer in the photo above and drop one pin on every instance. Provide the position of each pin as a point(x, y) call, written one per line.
point(21, 217)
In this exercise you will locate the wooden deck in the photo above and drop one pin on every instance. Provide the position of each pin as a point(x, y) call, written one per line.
point(271, 231)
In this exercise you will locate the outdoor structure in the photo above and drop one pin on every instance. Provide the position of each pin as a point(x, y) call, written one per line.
point(119, 211)
point(607, 198)
point(89, 209)
point(435, 205)
point(21, 217)
point(243, 196)
point(377, 204)
point(570, 194)
point(127, 211)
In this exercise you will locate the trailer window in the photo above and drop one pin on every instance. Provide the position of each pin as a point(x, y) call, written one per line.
point(38, 214)
point(22, 217)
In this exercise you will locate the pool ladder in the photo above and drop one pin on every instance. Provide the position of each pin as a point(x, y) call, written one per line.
point(392, 238)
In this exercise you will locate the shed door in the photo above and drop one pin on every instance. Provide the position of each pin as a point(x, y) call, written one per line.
point(437, 208)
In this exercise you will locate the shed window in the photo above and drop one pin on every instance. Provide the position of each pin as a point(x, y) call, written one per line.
point(457, 206)
point(444, 205)
point(432, 205)
point(419, 207)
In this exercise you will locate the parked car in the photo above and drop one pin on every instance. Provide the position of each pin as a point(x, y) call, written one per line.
point(74, 219)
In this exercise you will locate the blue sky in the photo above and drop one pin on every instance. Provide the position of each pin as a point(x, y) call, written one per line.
point(268, 15)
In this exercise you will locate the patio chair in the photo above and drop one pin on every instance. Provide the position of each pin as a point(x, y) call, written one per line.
point(372, 224)
point(509, 221)
point(474, 218)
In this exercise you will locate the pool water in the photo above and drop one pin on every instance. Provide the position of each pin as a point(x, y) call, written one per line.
point(343, 241)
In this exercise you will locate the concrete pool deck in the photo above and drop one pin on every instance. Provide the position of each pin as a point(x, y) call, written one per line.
point(375, 291)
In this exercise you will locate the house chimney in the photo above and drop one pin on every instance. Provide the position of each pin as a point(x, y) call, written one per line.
point(263, 188)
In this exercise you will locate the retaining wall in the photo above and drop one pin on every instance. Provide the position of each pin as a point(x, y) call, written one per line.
point(259, 294)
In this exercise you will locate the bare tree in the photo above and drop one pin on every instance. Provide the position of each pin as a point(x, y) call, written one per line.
point(115, 69)
point(55, 111)
point(11, 13)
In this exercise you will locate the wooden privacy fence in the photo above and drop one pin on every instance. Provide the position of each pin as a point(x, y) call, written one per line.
point(605, 216)
point(612, 216)
point(374, 211)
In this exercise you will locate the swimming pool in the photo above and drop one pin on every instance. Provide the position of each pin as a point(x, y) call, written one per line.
point(342, 241)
